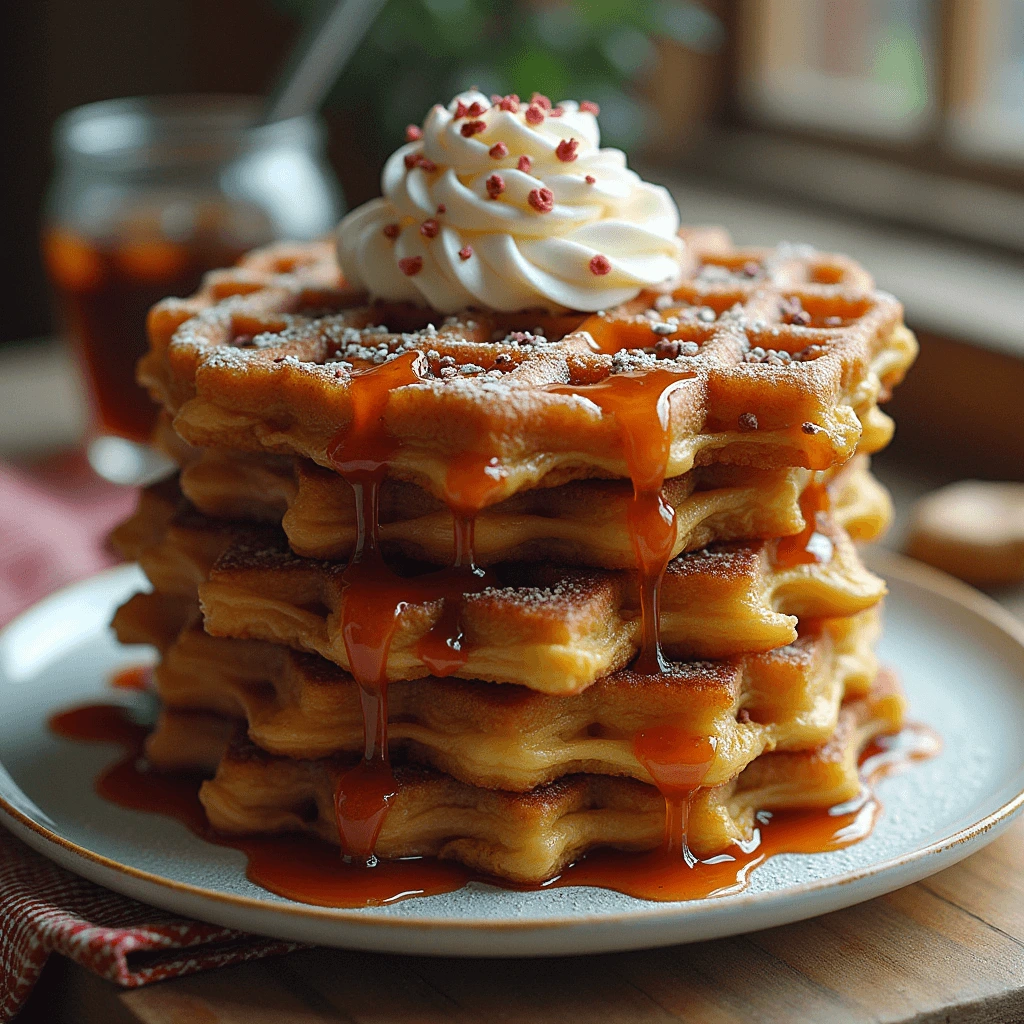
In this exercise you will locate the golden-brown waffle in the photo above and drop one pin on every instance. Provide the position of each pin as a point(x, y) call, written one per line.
point(509, 737)
point(780, 358)
point(551, 629)
point(525, 837)
point(579, 523)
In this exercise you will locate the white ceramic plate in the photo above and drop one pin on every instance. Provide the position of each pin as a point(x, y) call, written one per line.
point(960, 656)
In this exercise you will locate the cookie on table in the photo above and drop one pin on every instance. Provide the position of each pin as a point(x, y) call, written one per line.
point(973, 529)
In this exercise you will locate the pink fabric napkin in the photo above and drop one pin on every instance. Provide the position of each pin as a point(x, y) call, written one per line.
point(53, 527)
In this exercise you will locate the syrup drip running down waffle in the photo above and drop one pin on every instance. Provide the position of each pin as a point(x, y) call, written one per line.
point(766, 358)
point(373, 596)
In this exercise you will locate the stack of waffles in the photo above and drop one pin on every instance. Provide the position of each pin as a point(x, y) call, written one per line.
point(507, 588)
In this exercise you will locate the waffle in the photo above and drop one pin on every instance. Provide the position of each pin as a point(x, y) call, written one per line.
point(769, 358)
point(579, 523)
point(551, 629)
point(523, 837)
point(299, 705)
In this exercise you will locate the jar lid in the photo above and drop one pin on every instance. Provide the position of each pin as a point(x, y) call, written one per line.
point(191, 129)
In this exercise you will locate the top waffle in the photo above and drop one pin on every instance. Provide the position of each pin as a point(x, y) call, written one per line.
point(769, 358)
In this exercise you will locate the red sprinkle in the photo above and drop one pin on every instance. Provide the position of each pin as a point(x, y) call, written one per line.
point(542, 200)
point(589, 107)
point(495, 98)
point(498, 150)
point(441, 208)
point(476, 108)
point(473, 128)
point(413, 133)
point(510, 103)
point(525, 163)
point(391, 231)
point(557, 111)
point(590, 179)
point(600, 265)
point(534, 114)
point(410, 265)
point(430, 228)
point(495, 185)
point(411, 160)
point(465, 252)
point(566, 150)
point(426, 164)
point(461, 110)
point(541, 100)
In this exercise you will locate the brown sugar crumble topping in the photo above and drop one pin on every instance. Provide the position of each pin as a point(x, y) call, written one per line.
point(793, 312)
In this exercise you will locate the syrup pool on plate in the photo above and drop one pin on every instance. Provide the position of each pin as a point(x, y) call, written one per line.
point(312, 871)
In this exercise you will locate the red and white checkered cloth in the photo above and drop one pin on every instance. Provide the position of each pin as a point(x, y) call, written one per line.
point(51, 537)
point(45, 909)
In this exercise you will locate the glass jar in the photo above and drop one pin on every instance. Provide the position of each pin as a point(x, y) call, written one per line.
point(148, 195)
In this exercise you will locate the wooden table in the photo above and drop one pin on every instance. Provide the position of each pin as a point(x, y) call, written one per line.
point(949, 949)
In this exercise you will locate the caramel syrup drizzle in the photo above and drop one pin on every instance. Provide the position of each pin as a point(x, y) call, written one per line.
point(664, 875)
point(308, 870)
point(678, 761)
point(639, 401)
point(134, 677)
point(374, 597)
point(810, 544)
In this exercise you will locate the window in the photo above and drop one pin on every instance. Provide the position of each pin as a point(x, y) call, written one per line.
point(851, 67)
point(986, 115)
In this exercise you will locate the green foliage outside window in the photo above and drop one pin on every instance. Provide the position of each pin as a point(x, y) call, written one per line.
point(420, 52)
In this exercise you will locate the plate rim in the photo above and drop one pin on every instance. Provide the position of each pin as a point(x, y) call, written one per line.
point(886, 562)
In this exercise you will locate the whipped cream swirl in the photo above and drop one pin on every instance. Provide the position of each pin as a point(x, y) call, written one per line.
point(510, 205)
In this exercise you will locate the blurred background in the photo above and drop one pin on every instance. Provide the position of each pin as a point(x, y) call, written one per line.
point(892, 130)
